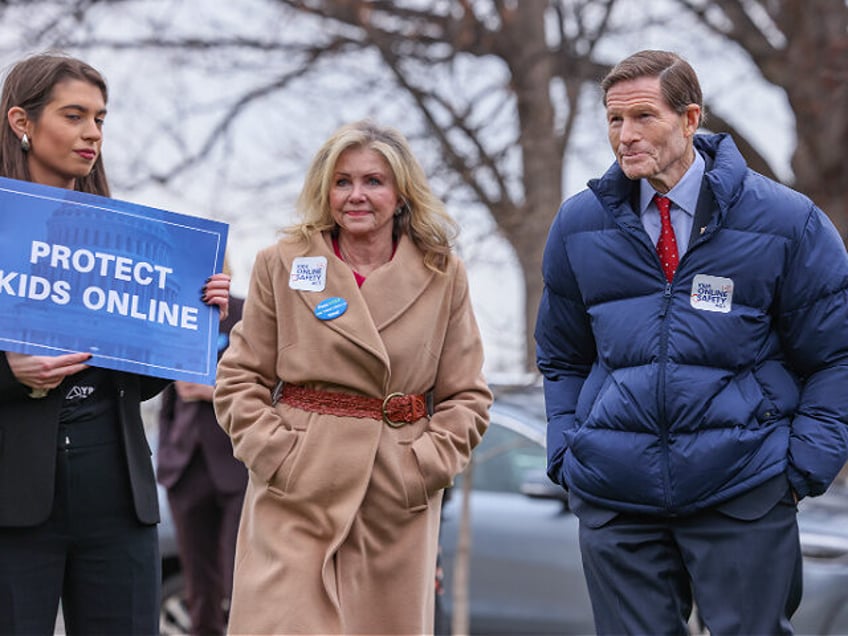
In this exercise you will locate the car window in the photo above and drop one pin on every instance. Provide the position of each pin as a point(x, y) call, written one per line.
point(503, 459)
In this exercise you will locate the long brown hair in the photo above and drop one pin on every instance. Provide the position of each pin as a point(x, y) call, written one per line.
point(29, 85)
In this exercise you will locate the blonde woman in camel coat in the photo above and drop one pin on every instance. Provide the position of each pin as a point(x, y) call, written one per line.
point(362, 300)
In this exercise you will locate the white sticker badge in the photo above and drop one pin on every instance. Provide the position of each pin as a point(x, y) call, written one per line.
point(712, 293)
point(309, 273)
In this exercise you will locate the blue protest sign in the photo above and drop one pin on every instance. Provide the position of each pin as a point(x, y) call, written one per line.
point(80, 272)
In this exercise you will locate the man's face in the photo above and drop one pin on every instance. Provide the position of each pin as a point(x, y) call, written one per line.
point(650, 140)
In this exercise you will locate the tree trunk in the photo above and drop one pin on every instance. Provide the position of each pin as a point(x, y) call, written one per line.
point(816, 83)
point(526, 226)
point(461, 617)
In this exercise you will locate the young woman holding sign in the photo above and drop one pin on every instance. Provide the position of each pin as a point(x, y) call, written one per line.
point(78, 504)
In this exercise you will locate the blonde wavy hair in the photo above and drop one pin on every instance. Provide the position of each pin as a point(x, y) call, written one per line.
point(422, 216)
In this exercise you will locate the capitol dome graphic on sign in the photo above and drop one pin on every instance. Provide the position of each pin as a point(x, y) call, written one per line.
point(92, 251)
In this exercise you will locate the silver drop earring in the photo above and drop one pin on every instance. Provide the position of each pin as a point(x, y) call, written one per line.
point(25, 145)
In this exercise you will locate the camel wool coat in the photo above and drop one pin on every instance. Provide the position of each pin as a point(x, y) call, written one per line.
point(339, 531)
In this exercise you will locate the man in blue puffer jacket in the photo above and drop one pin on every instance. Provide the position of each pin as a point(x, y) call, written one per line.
point(692, 398)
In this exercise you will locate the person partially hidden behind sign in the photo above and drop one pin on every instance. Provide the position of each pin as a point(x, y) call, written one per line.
point(354, 321)
point(78, 505)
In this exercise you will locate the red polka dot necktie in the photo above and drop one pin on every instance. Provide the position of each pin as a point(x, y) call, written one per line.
point(667, 244)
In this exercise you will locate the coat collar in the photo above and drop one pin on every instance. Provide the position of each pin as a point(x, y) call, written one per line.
point(724, 173)
point(383, 298)
point(392, 288)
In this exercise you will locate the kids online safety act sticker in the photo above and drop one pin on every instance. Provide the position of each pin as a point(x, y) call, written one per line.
point(712, 293)
point(309, 273)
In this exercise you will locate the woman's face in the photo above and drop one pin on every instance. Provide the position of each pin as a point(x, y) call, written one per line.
point(363, 197)
point(65, 140)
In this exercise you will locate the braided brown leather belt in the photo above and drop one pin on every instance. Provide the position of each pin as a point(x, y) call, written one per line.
point(396, 409)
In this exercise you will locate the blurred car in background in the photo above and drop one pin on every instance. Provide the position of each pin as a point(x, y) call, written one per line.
point(526, 575)
point(824, 539)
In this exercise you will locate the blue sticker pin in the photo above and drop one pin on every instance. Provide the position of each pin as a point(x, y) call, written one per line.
point(331, 308)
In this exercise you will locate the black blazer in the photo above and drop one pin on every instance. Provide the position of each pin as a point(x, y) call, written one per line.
point(28, 445)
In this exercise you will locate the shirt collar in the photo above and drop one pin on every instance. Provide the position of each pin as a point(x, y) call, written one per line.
point(685, 192)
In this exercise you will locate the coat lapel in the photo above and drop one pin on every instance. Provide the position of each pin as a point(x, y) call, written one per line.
point(355, 324)
point(395, 286)
point(383, 298)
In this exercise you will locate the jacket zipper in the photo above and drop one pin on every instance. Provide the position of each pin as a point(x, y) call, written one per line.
point(661, 394)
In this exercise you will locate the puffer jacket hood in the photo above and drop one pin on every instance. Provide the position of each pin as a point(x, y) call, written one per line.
point(667, 398)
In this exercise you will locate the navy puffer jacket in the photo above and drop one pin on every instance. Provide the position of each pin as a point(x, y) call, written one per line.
point(670, 398)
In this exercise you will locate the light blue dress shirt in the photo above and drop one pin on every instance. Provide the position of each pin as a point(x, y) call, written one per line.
point(684, 201)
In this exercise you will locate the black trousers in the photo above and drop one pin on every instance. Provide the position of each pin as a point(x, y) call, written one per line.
point(92, 552)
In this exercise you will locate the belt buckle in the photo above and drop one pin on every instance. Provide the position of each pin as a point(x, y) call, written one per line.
point(386, 417)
